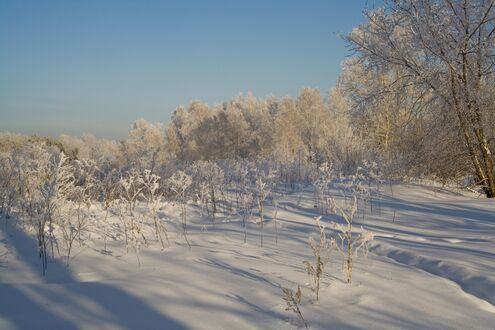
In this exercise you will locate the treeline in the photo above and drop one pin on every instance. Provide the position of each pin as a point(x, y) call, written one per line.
point(307, 129)
point(346, 129)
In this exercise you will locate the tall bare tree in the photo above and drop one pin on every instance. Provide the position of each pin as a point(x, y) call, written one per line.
point(446, 47)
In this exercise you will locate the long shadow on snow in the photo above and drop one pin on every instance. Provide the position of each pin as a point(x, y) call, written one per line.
point(475, 216)
point(236, 271)
point(15, 304)
point(380, 228)
point(113, 304)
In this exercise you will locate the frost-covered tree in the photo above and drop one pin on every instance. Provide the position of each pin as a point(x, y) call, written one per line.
point(399, 126)
point(107, 154)
point(181, 132)
point(145, 145)
point(314, 121)
point(257, 126)
point(345, 148)
point(288, 143)
point(446, 48)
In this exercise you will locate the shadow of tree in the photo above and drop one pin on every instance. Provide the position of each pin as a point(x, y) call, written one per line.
point(60, 301)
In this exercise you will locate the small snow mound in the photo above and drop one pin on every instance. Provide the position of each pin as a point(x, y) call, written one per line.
point(476, 285)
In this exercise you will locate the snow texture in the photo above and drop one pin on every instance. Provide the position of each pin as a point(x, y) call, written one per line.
point(431, 265)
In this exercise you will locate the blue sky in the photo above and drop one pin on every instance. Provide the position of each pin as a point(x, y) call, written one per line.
point(97, 65)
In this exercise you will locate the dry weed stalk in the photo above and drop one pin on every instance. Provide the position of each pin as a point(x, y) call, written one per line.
point(293, 301)
point(349, 246)
point(321, 251)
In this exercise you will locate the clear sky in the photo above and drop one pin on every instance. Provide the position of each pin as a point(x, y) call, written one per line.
point(97, 65)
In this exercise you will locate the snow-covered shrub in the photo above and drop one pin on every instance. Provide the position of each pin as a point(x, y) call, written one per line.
point(321, 180)
point(8, 183)
point(152, 196)
point(55, 191)
point(245, 199)
point(109, 191)
point(209, 180)
point(275, 216)
point(263, 189)
point(374, 178)
point(348, 245)
point(321, 251)
point(179, 183)
point(265, 177)
point(86, 176)
point(131, 189)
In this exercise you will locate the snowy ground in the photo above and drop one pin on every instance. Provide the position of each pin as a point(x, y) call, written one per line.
point(432, 265)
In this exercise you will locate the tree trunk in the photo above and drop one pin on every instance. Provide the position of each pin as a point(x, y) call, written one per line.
point(484, 171)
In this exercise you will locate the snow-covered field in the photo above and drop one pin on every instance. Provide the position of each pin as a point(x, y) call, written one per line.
point(430, 266)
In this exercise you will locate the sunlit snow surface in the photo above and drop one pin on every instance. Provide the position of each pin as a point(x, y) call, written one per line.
point(431, 266)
